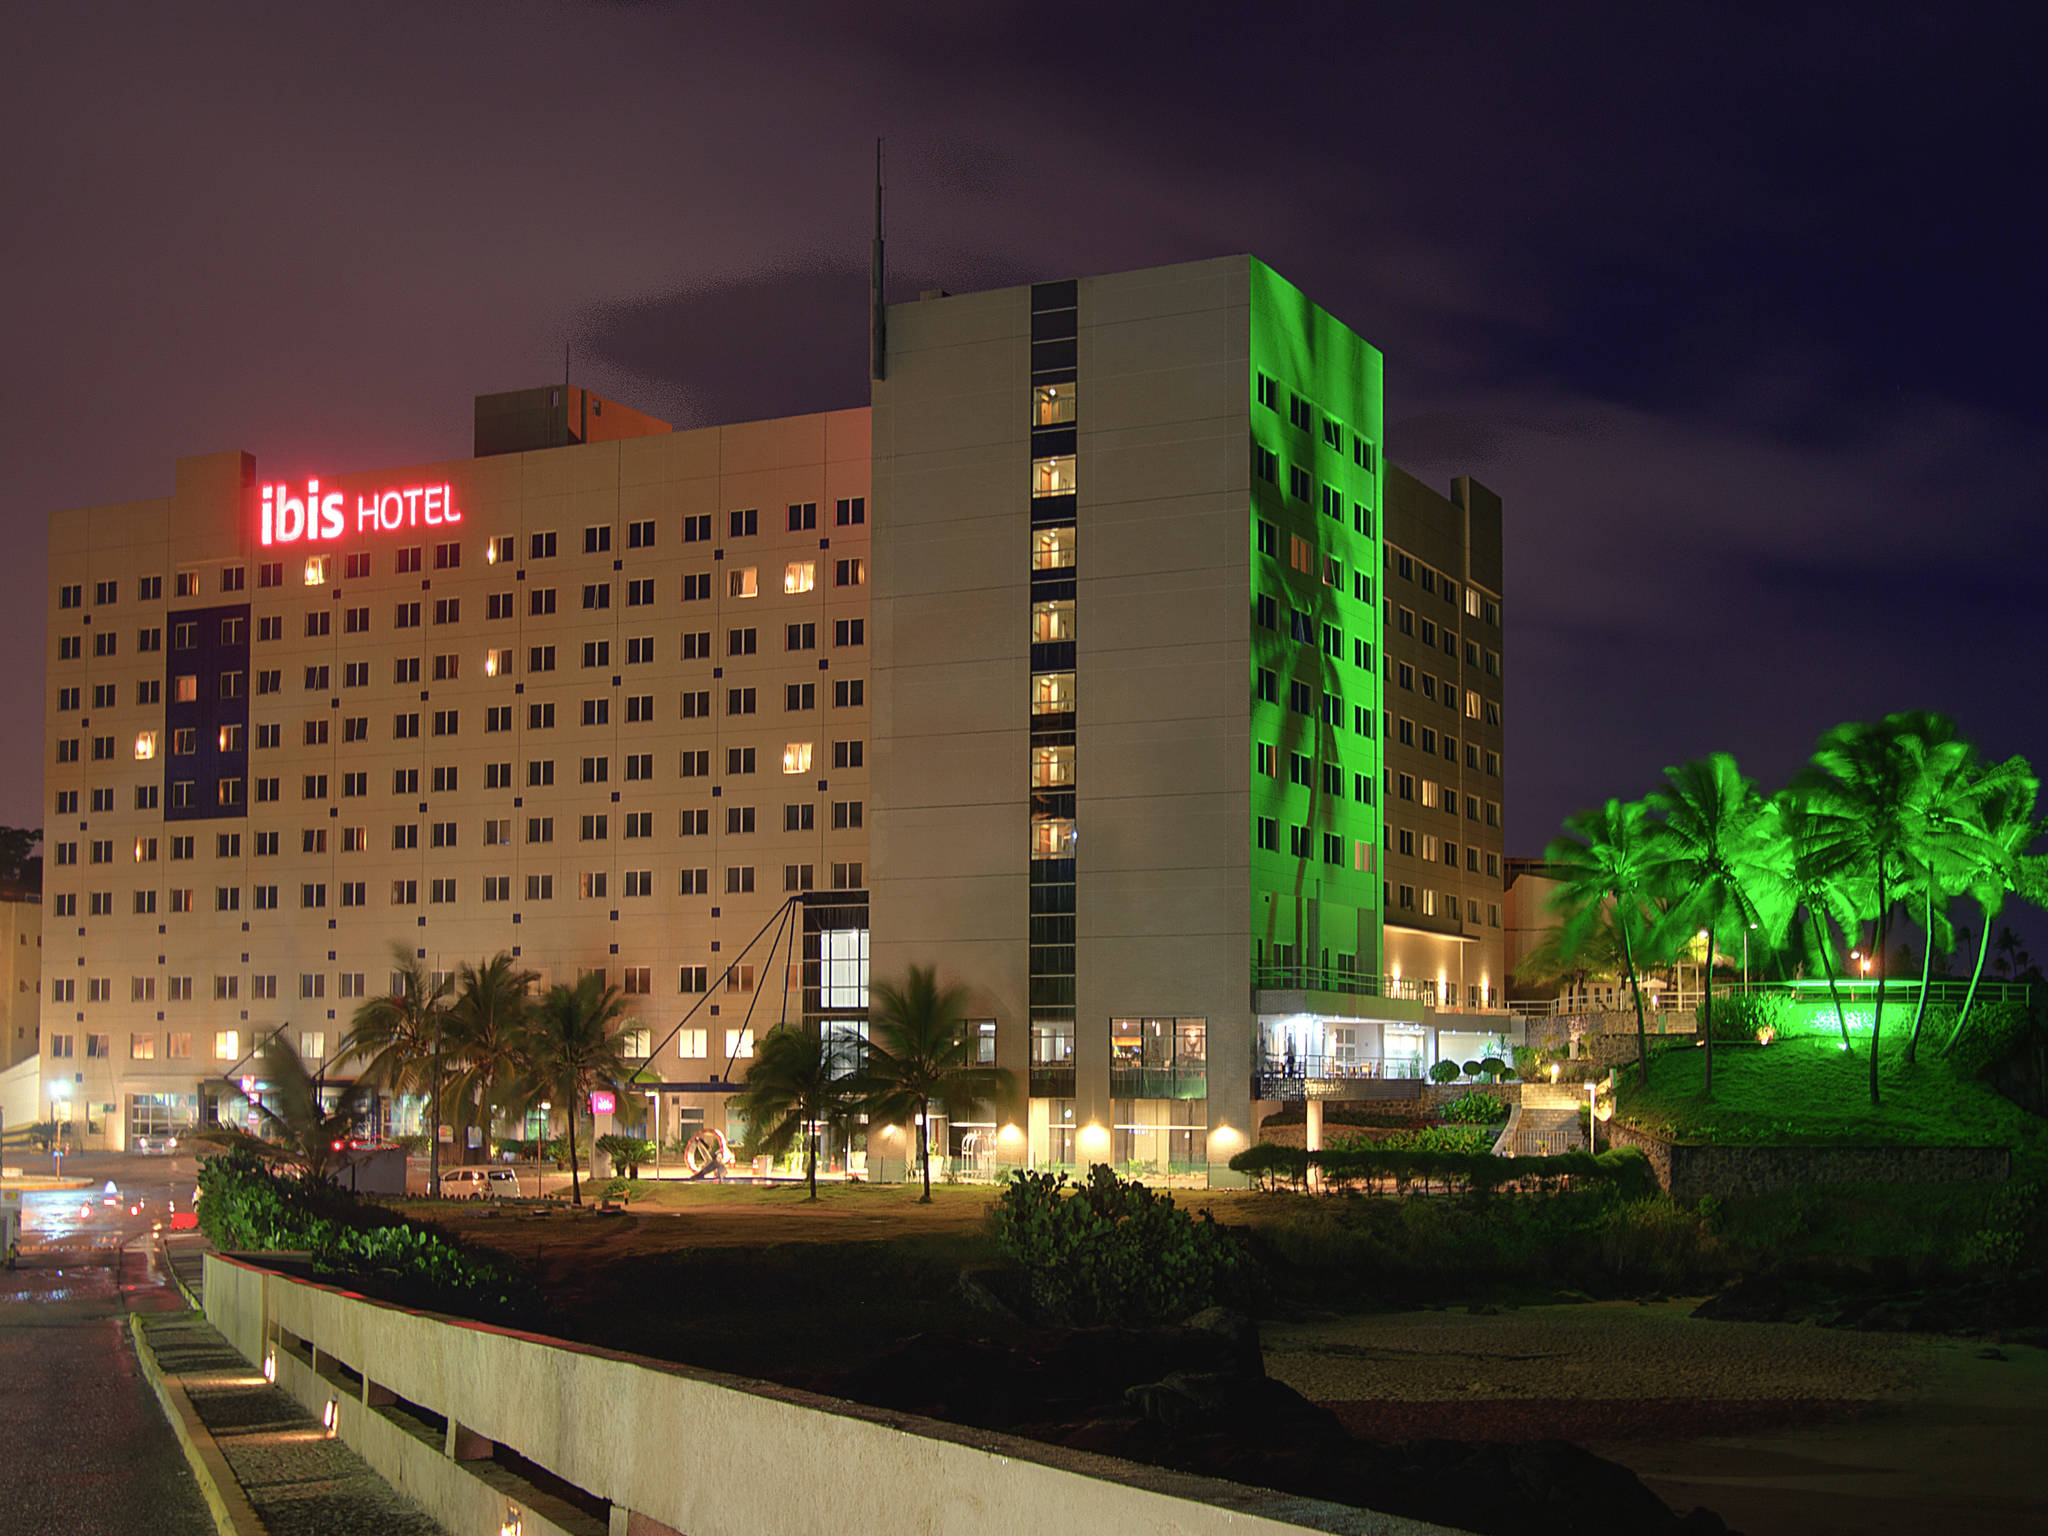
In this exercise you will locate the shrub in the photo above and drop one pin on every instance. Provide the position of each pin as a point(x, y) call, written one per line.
point(1492, 1067)
point(1447, 1167)
point(1445, 1072)
point(627, 1153)
point(1995, 1031)
point(1114, 1251)
point(1473, 1068)
point(1476, 1109)
point(1741, 1016)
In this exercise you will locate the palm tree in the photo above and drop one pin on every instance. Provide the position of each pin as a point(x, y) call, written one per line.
point(1862, 787)
point(799, 1080)
point(1602, 868)
point(487, 1033)
point(1949, 844)
point(574, 1047)
point(1817, 888)
point(299, 1129)
point(2006, 867)
point(402, 1039)
point(921, 1053)
point(1714, 856)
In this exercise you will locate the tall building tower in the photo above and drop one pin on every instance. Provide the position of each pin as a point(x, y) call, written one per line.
point(1132, 694)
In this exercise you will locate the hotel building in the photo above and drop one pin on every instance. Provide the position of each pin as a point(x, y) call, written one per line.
point(1104, 663)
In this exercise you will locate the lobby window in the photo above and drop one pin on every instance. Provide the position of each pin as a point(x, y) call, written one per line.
point(1052, 549)
point(1052, 621)
point(1052, 405)
point(1053, 476)
point(1052, 693)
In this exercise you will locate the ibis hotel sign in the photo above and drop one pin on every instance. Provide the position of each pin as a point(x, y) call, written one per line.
point(289, 516)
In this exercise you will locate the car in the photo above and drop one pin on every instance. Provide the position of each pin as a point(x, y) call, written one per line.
point(153, 1146)
point(479, 1184)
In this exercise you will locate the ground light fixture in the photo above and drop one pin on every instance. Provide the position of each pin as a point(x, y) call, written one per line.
point(512, 1524)
point(270, 1365)
point(330, 1417)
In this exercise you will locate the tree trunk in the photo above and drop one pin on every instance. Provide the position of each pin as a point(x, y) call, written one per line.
point(1827, 963)
point(1884, 934)
point(811, 1168)
point(1926, 971)
point(575, 1187)
point(1628, 960)
point(1970, 997)
point(1707, 1009)
point(924, 1145)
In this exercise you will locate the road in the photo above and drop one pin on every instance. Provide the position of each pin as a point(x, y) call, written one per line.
point(88, 1452)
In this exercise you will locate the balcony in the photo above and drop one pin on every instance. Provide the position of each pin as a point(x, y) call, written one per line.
point(1130, 1080)
point(1298, 1077)
point(1050, 1081)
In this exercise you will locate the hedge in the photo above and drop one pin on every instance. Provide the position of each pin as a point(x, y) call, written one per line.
point(1398, 1171)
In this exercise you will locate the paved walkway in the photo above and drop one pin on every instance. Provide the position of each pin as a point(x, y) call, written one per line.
point(268, 1456)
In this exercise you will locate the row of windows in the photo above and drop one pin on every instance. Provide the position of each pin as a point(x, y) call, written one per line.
point(1403, 730)
point(1302, 415)
point(592, 885)
point(851, 512)
point(1403, 786)
point(1441, 904)
point(1477, 604)
point(448, 610)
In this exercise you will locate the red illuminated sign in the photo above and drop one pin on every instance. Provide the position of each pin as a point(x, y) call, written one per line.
point(312, 518)
point(603, 1103)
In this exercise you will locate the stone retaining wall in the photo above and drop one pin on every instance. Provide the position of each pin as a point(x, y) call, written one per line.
point(1729, 1172)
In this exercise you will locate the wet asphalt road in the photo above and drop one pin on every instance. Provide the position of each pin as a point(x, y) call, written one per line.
point(87, 1451)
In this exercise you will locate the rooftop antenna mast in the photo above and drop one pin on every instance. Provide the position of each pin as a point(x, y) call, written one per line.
point(878, 321)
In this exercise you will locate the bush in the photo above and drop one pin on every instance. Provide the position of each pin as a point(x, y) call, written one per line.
point(246, 1206)
point(1491, 1068)
point(627, 1153)
point(1995, 1031)
point(1114, 1251)
point(1741, 1016)
point(1476, 1109)
point(1445, 1072)
point(1398, 1170)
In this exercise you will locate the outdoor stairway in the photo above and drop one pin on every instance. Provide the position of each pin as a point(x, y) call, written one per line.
point(1544, 1124)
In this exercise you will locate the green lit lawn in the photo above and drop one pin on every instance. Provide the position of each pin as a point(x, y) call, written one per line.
point(1806, 1089)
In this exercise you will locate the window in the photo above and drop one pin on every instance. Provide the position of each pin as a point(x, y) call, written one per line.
point(744, 582)
point(541, 546)
point(640, 535)
point(849, 573)
point(846, 815)
point(697, 764)
point(596, 770)
point(696, 588)
point(738, 701)
point(540, 829)
point(1053, 476)
point(849, 693)
point(597, 594)
point(497, 887)
point(797, 877)
point(799, 576)
point(847, 632)
point(1052, 405)
point(540, 887)
point(540, 658)
point(1268, 834)
point(696, 882)
point(540, 717)
point(540, 601)
point(697, 530)
point(852, 511)
point(797, 697)
point(849, 754)
point(1052, 621)
point(697, 705)
point(799, 637)
point(799, 818)
point(739, 880)
point(796, 757)
point(743, 524)
point(597, 540)
point(227, 1044)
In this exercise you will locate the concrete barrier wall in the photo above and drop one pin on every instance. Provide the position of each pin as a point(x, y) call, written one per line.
point(1689, 1172)
point(673, 1449)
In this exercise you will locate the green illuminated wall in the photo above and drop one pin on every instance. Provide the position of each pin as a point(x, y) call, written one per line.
point(1324, 908)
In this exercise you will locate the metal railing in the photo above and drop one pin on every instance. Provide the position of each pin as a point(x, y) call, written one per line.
point(1323, 1066)
point(1859, 990)
point(1323, 978)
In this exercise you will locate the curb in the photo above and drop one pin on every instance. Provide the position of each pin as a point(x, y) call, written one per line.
point(225, 1501)
point(163, 1256)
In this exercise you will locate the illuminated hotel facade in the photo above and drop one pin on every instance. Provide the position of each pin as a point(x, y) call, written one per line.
point(1102, 663)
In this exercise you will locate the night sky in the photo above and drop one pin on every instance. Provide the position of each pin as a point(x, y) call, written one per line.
point(1740, 311)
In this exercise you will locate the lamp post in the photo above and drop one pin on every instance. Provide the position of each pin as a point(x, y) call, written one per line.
point(1593, 1116)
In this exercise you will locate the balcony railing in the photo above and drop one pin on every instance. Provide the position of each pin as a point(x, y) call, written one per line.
point(1052, 1082)
point(1184, 1081)
point(1322, 978)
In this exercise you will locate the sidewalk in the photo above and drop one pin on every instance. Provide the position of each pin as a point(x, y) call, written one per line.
point(264, 1464)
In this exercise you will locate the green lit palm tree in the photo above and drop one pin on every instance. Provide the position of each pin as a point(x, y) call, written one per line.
point(487, 1028)
point(1862, 788)
point(799, 1082)
point(297, 1128)
point(574, 1046)
point(402, 1040)
point(2007, 867)
point(1714, 857)
point(1602, 866)
point(1818, 890)
point(920, 1053)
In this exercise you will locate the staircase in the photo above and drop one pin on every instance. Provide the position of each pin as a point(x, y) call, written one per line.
point(1545, 1123)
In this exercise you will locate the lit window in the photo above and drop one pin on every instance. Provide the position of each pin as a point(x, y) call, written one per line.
point(227, 1045)
point(743, 583)
point(1052, 837)
point(1053, 476)
point(316, 570)
point(1052, 693)
point(185, 689)
point(796, 757)
point(1051, 766)
point(1052, 620)
point(799, 576)
point(1052, 549)
point(145, 746)
point(1052, 405)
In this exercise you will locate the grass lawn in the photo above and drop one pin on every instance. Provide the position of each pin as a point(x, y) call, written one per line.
point(1805, 1088)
